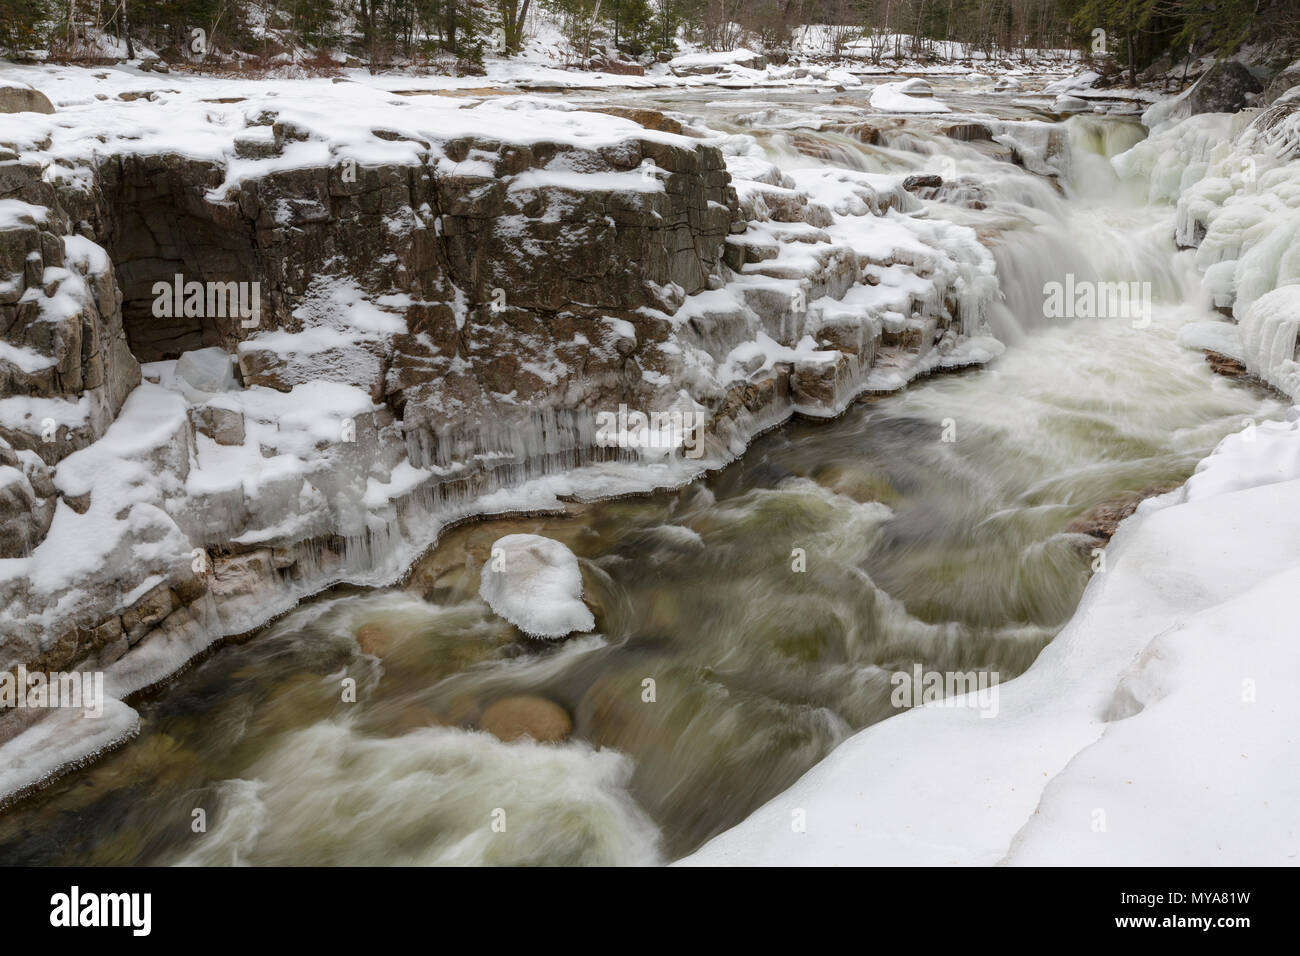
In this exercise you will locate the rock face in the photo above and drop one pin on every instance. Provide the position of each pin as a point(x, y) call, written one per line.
point(27, 501)
point(60, 317)
point(506, 222)
point(1282, 84)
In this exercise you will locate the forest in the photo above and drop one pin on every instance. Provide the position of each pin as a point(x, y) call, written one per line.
point(603, 33)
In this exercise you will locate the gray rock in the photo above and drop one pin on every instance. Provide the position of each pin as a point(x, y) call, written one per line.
point(1282, 84)
point(21, 98)
point(1222, 89)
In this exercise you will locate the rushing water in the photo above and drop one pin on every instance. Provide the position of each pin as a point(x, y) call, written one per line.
point(747, 622)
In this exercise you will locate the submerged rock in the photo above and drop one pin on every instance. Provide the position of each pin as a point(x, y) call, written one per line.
point(375, 638)
point(1103, 520)
point(534, 583)
point(526, 716)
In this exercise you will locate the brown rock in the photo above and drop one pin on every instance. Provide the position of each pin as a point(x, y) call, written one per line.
point(512, 717)
point(376, 638)
point(650, 119)
point(1224, 365)
point(1104, 518)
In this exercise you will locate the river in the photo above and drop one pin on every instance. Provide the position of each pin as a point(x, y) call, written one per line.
point(747, 622)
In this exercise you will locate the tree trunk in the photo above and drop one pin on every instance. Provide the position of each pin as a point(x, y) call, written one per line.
point(586, 43)
point(368, 33)
point(515, 29)
point(126, 32)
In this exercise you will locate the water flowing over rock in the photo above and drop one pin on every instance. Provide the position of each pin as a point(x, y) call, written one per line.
point(513, 717)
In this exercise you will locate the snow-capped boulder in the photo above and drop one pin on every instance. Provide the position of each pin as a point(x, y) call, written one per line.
point(915, 87)
point(1073, 84)
point(1069, 104)
point(700, 64)
point(534, 583)
point(207, 370)
point(906, 97)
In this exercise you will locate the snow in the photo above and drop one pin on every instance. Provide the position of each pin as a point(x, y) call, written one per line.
point(1268, 335)
point(894, 98)
point(1161, 710)
point(63, 735)
point(1073, 84)
point(207, 370)
point(722, 58)
point(535, 584)
point(1236, 181)
point(27, 360)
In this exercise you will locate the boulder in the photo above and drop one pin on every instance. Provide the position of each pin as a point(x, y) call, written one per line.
point(704, 64)
point(1281, 84)
point(527, 716)
point(21, 98)
point(535, 584)
point(376, 638)
point(1223, 89)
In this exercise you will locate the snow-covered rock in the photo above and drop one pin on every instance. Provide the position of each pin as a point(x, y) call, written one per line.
point(207, 370)
point(696, 64)
point(902, 98)
point(535, 584)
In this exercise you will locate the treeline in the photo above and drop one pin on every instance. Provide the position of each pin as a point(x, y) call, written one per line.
point(1138, 33)
point(382, 33)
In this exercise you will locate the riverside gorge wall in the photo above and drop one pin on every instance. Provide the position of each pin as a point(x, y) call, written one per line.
point(448, 298)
